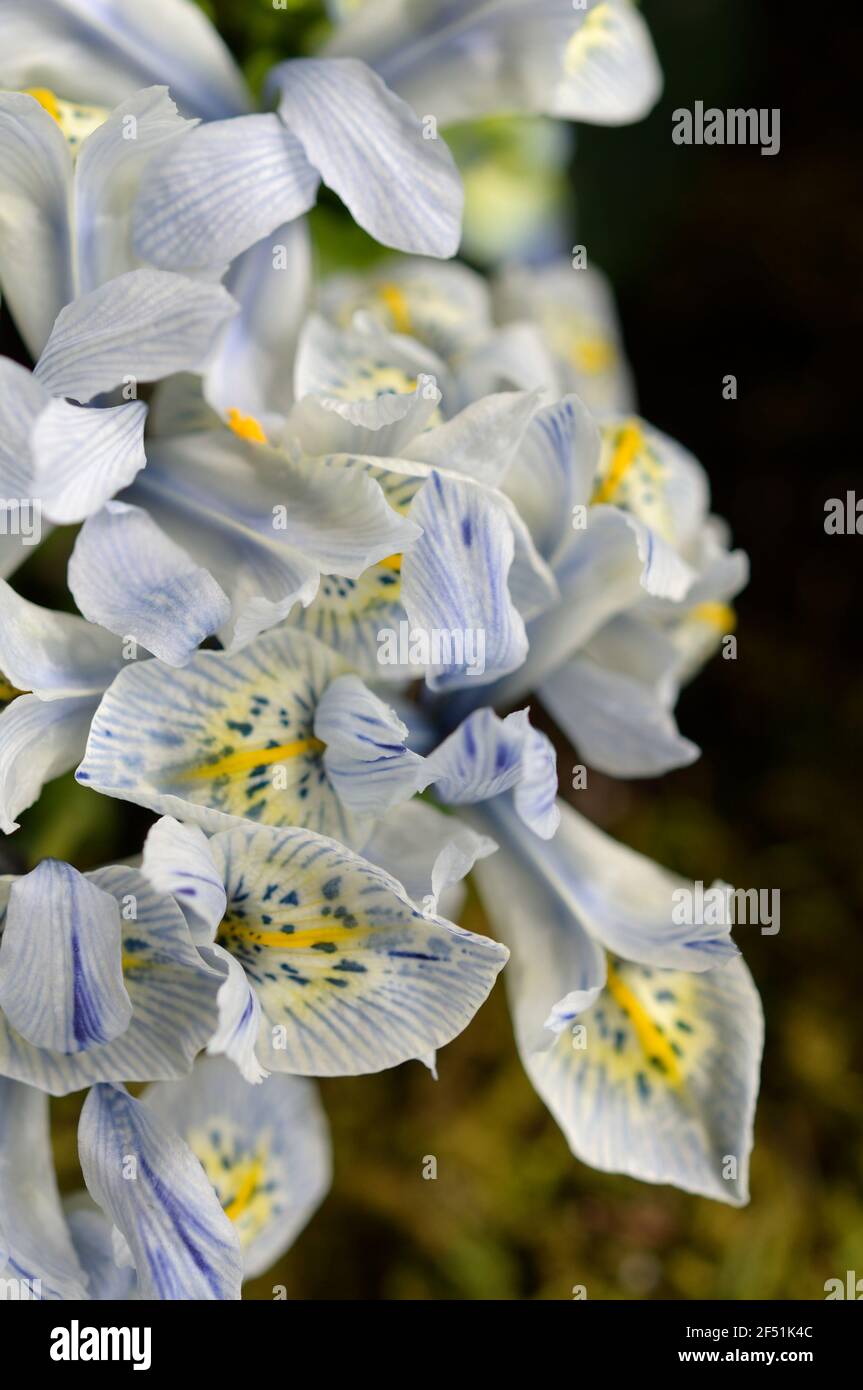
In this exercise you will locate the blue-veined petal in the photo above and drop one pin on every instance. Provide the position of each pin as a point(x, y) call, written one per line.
point(351, 977)
point(56, 655)
point(266, 1150)
point(104, 52)
point(177, 860)
point(35, 188)
point(83, 456)
point(228, 737)
point(157, 594)
point(173, 994)
point(222, 188)
point(651, 1072)
point(141, 326)
point(155, 1191)
point(39, 740)
point(34, 1240)
point(629, 904)
point(369, 147)
point(107, 171)
point(454, 584)
point(617, 723)
point(608, 566)
point(365, 757)
point(487, 756)
point(61, 976)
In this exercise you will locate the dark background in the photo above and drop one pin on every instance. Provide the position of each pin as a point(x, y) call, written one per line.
point(724, 261)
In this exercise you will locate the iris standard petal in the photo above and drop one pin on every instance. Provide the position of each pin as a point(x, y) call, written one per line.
point(173, 994)
point(140, 326)
point(56, 655)
point(371, 149)
point(454, 584)
point(222, 188)
point(157, 594)
point(61, 975)
point(617, 724)
point(177, 860)
point(83, 456)
point(487, 756)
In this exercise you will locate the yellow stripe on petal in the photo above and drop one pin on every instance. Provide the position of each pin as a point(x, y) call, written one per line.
point(397, 304)
point(246, 426)
point(629, 444)
point(233, 933)
point(47, 100)
point(248, 758)
point(248, 1178)
point(656, 1047)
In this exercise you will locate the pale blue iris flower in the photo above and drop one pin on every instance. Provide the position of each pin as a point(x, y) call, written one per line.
point(363, 118)
point(192, 1188)
point(641, 1032)
point(350, 492)
point(617, 512)
point(332, 969)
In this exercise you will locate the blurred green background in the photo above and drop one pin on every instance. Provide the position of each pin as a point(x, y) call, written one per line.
point(724, 261)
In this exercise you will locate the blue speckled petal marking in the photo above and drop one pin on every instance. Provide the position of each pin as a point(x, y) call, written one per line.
point(350, 976)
